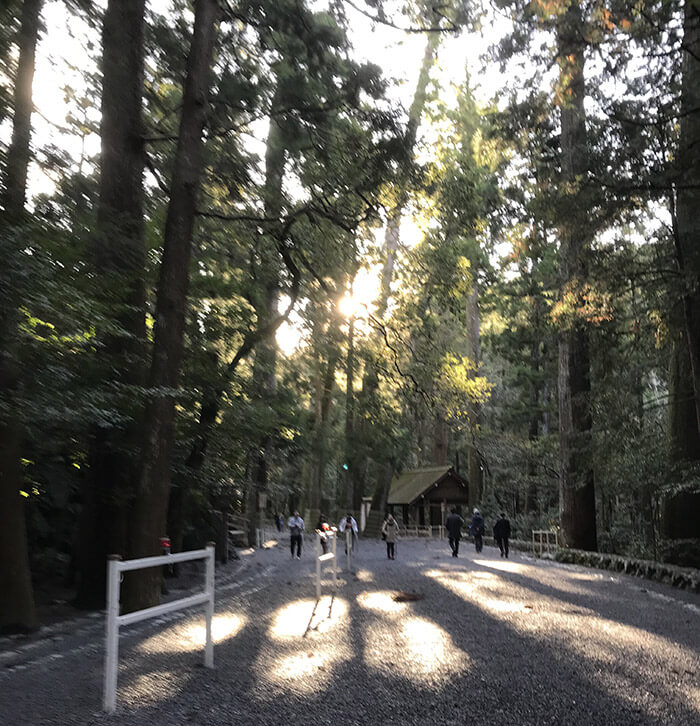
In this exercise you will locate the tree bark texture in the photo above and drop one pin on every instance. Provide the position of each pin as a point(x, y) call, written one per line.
point(268, 274)
point(17, 611)
point(118, 258)
point(392, 237)
point(350, 461)
point(325, 378)
point(577, 488)
point(475, 473)
point(688, 194)
point(677, 518)
point(150, 510)
point(19, 152)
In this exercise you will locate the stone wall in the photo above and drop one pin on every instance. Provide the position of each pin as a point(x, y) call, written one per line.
point(686, 578)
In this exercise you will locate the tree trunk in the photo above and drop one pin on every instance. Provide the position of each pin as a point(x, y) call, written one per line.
point(349, 463)
point(475, 473)
point(17, 611)
point(687, 235)
point(267, 272)
point(118, 258)
point(683, 444)
point(577, 489)
point(440, 439)
point(370, 381)
point(324, 396)
point(150, 510)
point(680, 510)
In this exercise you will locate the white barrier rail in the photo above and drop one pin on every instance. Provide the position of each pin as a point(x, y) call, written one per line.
point(322, 557)
point(115, 566)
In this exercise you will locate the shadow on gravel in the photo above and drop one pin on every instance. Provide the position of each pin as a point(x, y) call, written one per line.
point(537, 669)
point(583, 593)
point(471, 641)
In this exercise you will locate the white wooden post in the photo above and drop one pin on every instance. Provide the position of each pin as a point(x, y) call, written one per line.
point(348, 546)
point(114, 620)
point(335, 561)
point(318, 565)
point(109, 702)
point(209, 589)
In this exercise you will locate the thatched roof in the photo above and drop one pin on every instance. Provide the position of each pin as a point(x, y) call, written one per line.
point(410, 486)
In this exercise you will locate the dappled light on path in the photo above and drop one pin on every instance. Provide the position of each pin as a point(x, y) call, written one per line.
point(295, 619)
point(548, 605)
point(192, 634)
point(571, 583)
point(416, 649)
point(300, 660)
point(151, 688)
point(380, 601)
point(503, 565)
point(364, 575)
point(409, 646)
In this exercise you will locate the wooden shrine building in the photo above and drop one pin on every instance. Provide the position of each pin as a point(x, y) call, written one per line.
point(425, 496)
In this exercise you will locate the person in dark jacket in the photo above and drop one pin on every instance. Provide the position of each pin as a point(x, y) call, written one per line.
point(453, 525)
point(501, 533)
point(322, 528)
point(476, 527)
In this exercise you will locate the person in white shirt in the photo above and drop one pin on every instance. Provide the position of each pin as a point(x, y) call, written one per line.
point(349, 522)
point(296, 527)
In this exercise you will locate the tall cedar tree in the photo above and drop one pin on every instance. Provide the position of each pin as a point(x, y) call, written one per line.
point(266, 308)
point(118, 258)
point(17, 610)
point(150, 509)
point(681, 515)
point(577, 492)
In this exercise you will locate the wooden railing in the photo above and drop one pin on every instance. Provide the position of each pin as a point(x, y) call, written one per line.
point(421, 530)
point(544, 540)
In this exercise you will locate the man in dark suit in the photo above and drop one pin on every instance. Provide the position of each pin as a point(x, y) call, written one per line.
point(454, 524)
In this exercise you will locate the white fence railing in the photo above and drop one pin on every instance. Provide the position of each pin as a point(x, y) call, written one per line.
point(115, 566)
point(327, 556)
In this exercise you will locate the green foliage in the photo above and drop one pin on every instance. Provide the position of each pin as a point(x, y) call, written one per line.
point(470, 335)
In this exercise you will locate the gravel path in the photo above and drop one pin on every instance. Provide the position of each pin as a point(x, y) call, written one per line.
point(423, 639)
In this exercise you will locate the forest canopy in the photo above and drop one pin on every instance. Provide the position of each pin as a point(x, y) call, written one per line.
point(261, 256)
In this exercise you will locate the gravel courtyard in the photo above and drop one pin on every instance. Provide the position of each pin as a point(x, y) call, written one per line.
point(422, 639)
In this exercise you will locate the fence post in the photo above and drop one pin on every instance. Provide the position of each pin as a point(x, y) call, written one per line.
point(109, 702)
point(335, 561)
point(209, 613)
point(348, 546)
point(318, 565)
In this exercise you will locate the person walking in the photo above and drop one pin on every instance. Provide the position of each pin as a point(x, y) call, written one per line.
point(348, 522)
point(501, 533)
point(296, 528)
point(323, 528)
point(476, 527)
point(454, 524)
point(390, 530)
